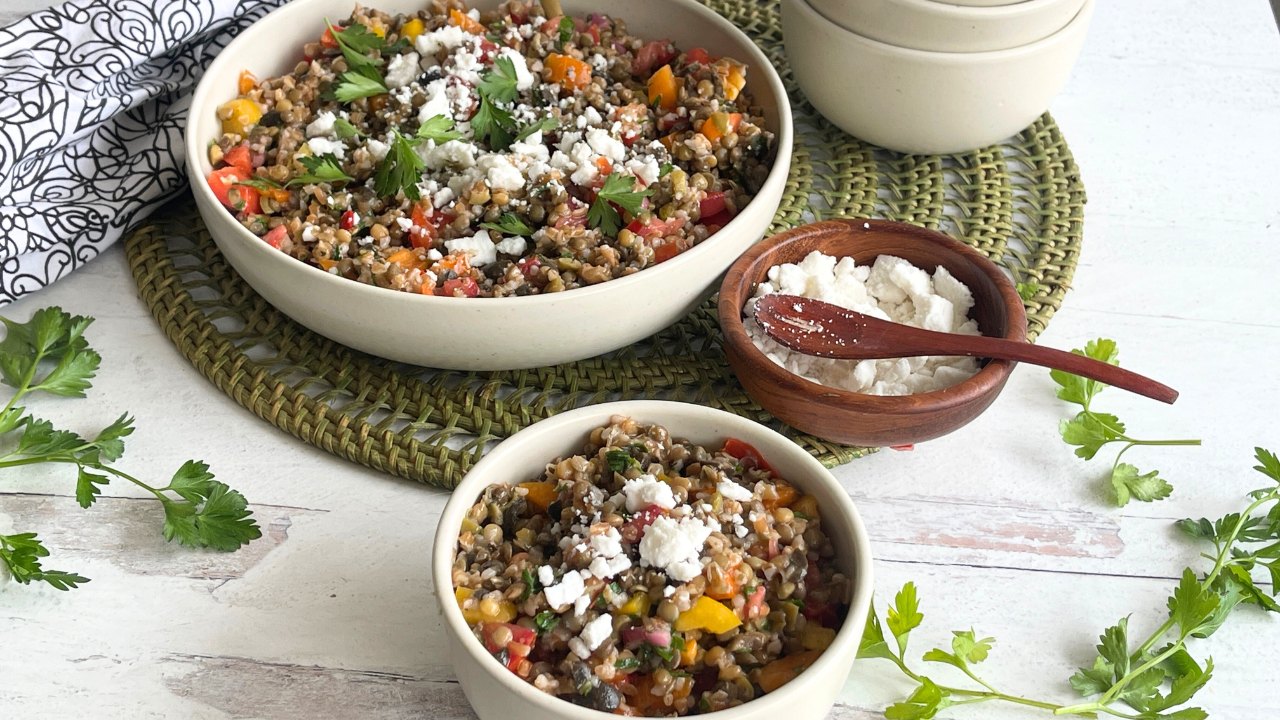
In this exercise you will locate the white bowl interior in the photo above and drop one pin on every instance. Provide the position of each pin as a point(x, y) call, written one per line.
point(525, 455)
point(502, 333)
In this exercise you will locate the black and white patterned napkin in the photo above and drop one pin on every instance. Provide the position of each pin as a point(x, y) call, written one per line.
point(93, 104)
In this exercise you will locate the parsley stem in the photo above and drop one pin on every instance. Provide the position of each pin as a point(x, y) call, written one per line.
point(25, 387)
point(72, 461)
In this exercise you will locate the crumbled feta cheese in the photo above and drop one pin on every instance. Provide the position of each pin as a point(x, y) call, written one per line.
point(454, 154)
point(740, 530)
point(404, 223)
point(890, 289)
point(546, 575)
point(377, 149)
point(442, 198)
point(597, 631)
point(402, 70)
point(733, 491)
point(513, 245)
point(579, 648)
point(322, 125)
point(581, 604)
point(501, 174)
point(606, 145)
point(646, 168)
point(647, 490)
point(607, 544)
point(566, 592)
point(447, 38)
point(479, 247)
point(675, 546)
point(324, 146)
point(437, 102)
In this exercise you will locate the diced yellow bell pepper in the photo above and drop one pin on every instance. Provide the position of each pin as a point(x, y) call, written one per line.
point(816, 637)
point(485, 610)
point(734, 80)
point(412, 29)
point(807, 505)
point(637, 606)
point(239, 115)
point(707, 614)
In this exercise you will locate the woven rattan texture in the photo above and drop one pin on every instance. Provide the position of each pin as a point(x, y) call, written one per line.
point(1021, 203)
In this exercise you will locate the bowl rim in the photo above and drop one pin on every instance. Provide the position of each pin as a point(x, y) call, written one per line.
point(984, 13)
point(989, 378)
point(300, 10)
point(1081, 18)
point(466, 492)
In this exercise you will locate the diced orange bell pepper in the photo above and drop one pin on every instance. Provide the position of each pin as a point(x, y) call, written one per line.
point(689, 653)
point(668, 142)
point(327, 264)
point(403, 256)
point(568, 71)
point(540, 494)
point(466, 22)
point(734, 77)
point(787, 494)
point(719, 125)
point(246, 82)
point(784, 670)
point(725, 585)
point(662, 89)
point(707, 614)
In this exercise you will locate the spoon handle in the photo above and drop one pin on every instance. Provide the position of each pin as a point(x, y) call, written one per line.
point(928, 342)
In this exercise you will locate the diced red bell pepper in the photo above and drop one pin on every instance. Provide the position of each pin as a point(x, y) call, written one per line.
point(717, 221)
point(426, 226)
point(663, 253)
point(655, 228)
point(652, 56)
point(328, 40)
point(276, 235)
point(239, 157)
point(519, 647)
point(221, 182)
point(459, 287)
point(698, 55)
point(712, 204)
point(746, 454)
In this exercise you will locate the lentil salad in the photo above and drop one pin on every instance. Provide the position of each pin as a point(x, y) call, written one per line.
point(650, 576)
point(456, 153)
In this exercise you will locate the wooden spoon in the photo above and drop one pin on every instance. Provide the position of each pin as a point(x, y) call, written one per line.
point(814, 327)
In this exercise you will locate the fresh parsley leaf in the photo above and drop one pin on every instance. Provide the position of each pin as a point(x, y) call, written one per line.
point(40, 438)
point(627, 663)
point(260, 184)
point(546, 124)
point(344, 129)
point(220, 521)
point(1268, 463)
point(353, 86)
point(665, 169)
point(531, 584)
point(1094, 680)
point(438, 128)
point(619, 460)
point(1075, 389)
point(110, 440)
point(192, 482)
point(493, 125)
point(400, 170)
point(923, 704)
point(969, 647)
point(1127, 483)
point(20, 554)
point(499, 84)
point(545, 621)
point(1192, 604)
point(618, 190)
point(1090, 431)
point(322, 169)
point(565, 31)
point(356, 42)
point(873, 643)
point(904, 615)
point(509, 224)
point(87, 487)
point(71, 376)
point(50, 334)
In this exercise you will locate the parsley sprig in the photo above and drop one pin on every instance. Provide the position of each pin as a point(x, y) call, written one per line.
point(438, 128)
point(1158, 677)
point(493, 123)
point(509, 224)
point(618, 190)
point(1089, 431)
point(362, 79)
point(400, 170)
point(49, 354)
point(323, 169)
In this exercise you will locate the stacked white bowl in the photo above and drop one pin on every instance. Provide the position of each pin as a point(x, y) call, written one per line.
point(933, 76)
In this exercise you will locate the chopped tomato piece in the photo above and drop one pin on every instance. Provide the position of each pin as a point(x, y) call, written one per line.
point(653, 54)
point(755, 606)
point(717, 221)
point(634, 529)
point(603, 165)
point(746, 454)
point(529, 266)
point(328, 40)
point(348, 220)
point(663, 253)
point(698, 55)
point(223, 182)
point(459, 287)
point(426, 227)
point(516, 649)
point(239, 157)
point(276, 235)
point(825, 614)
point(655, 228)
point(712, 204)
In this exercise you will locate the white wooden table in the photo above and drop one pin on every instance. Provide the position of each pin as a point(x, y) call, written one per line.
point(1173, 114)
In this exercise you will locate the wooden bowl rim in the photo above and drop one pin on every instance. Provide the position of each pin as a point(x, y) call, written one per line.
point(735, 289)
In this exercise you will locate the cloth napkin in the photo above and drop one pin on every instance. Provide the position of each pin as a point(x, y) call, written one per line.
point(93, 104)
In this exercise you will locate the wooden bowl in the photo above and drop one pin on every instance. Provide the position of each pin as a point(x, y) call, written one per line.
point(858, 418)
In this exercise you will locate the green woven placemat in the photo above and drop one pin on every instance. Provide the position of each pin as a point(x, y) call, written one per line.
point(1021, 203)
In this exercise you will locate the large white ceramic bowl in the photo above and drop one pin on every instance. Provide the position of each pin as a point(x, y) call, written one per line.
point(484, 333)
point(497, 694)
point(979, 3)
point(915, 101)
point(941, 27)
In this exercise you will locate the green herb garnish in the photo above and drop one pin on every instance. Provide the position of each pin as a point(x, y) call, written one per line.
point(259, 183)
point(618, 190)
point(400, 170)
point(322, 169)
point(355, 86)
point(1090, 430)
point(509, 224)
point(545, 621)
point(531, 584)
point(619, 460)
point(665, 169)
point(438, 128)
point(344, 129)
point(362, 79)
point(546, 124)
point(627, 663)
point(492, 124)
point(49, 354)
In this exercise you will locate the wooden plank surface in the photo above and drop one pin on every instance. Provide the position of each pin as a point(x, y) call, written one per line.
point(1172, 114)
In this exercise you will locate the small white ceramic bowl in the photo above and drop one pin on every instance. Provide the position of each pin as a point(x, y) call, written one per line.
point(497, 694)
point(915, 101)
point(485, 333)
point(979, 3)
point(941, 27)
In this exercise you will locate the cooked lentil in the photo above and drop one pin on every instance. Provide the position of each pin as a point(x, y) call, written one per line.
point(651, 576)
point(697, 157)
